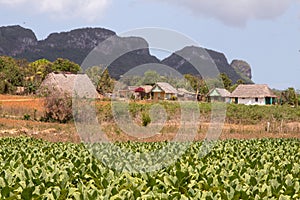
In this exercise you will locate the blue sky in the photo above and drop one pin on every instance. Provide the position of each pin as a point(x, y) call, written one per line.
point(265, 33)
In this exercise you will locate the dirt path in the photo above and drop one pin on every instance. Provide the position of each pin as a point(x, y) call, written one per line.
point(56, 132)
point(17, 100)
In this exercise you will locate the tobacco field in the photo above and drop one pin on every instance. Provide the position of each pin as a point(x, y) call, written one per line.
point(233, 169)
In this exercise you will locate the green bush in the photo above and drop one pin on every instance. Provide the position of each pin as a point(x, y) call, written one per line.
point(58, 107)
point(26, 117)
point(173, 98)
point(145, 119)
point(235, 113)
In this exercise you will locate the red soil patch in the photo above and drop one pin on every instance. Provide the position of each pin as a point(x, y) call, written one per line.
point(55, 132)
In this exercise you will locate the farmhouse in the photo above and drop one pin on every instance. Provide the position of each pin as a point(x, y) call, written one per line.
point(67, 83)
point(162, 90)
point(184, 94)
point(143, 92)
point(219, 95)
point(253, 94)
point(127, 92)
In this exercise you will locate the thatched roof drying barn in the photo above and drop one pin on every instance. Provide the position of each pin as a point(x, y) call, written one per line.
point(70, 84)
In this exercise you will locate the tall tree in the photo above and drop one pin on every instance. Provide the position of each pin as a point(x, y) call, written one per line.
point(40, 68)
point(11, 75)
point(94, 73)
point(233, 87)
point(290, 97)
point(36, 73)
point(226, 81)
point(105, 84)
point(199, 85)
point(65, 65)
point(150, 77)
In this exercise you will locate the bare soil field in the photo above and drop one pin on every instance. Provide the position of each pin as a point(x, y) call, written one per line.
point(12, 124)
point(18, 106)
point(55, 132)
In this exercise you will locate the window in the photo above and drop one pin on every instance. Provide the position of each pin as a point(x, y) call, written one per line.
point(256, 99)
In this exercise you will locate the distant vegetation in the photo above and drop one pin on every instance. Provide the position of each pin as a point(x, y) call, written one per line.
point(235, 114)
point(21, 73)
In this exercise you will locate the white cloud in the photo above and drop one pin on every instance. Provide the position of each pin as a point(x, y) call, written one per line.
point(235, 12)
point(85, 9)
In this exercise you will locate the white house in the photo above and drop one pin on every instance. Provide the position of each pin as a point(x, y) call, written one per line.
point(253, 94)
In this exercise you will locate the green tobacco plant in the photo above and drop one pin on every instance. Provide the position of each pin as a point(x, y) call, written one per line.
point(234, 169)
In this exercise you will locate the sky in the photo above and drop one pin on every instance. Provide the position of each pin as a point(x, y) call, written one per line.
point(264, 33)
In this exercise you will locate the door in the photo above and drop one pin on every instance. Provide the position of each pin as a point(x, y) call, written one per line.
point(268, 100)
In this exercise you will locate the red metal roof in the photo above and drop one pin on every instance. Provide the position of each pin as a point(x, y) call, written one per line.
point(139, 89)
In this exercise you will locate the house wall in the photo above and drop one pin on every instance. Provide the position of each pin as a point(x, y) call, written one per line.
point(251, 101)
point(216, 99)
point(227, 100)
point(169, 95)
point(219, 99)
point(158, 95)
point(187, 97)
point(163, 95)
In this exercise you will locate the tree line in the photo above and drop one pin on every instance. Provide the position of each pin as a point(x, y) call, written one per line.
point(16, 73)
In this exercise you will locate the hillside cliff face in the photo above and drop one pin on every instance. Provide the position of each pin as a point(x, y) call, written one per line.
point(242, 67)
point(15, 40)
point(73, 45)
point(120, 54)
point(76, 45)
point(182, 61)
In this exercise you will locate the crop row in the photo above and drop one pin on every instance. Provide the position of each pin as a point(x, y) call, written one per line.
point(234, 169)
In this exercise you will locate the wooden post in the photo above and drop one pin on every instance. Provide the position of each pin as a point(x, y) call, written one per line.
point(268, 126)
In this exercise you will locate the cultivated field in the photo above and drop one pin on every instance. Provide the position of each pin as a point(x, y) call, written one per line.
point(234, 169)
point(40, 160)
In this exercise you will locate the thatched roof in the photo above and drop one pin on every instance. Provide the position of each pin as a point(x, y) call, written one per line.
point(132, 88)
point(78, 84)
point(253, 91)
point(144, 88)
point(166, 87)
point(183, 91)
point(221, 92)
point(147, 88)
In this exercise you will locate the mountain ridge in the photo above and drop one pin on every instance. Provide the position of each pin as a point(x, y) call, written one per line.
point(76, 45)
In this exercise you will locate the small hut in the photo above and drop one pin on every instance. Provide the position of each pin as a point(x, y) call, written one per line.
point(162, 91)
point(186, 95)
point(218, 95)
